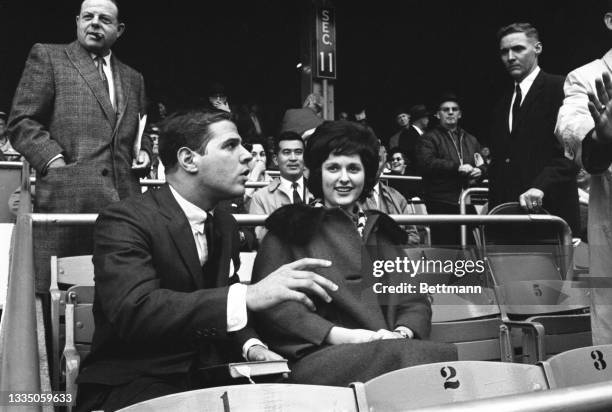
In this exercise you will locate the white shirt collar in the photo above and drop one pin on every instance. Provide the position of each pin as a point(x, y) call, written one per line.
point(418, 129)
point(195, 215)
point(106, 58)
point(286, 185)
point(525, 85)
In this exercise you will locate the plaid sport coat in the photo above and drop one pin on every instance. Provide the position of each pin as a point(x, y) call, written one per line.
point(62, 106)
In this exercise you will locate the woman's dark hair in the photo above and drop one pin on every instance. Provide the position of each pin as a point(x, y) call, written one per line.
point(341, 138)
point(249, 145)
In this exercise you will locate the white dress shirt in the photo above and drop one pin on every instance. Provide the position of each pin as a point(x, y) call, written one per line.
point(286, 186)
point(236, 296)
point(525, 85)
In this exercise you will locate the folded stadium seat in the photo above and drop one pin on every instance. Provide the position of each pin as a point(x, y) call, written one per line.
point(255, 398)
point(418, 208)
point(469, 318)
point(532, 273)
point(580, 366)
point(79, 333)
point(552, 314)
point(473, 323)
point(65, 272)
point(446, 382)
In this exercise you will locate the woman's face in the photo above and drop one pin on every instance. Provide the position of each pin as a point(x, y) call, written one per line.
point(343, 178)
point(259, 155)
point(397, 162)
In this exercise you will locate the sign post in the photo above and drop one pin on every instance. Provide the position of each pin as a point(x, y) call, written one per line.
point(325, 54)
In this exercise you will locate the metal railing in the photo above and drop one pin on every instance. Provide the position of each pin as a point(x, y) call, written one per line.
point(462, 207)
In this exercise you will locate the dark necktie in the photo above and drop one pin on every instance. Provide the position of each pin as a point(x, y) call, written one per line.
point(100, 62)
point(516, 106)
point(209, 233)
point(296, 196)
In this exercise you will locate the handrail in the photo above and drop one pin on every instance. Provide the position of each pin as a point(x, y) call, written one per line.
point(462, 203)
point(19, 370)
point(254, 220)
point(11, 165)
point(592, 397)
point(159, 182)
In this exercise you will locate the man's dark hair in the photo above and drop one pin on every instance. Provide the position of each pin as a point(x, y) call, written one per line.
point(189, 129)
point(526, 28)
point(341, 138)
point(288, 135)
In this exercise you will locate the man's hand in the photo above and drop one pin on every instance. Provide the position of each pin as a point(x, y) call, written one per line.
point(59, 162)
point(258, 353)
point(600, 107)
point(465, 169)
point(289, 282)
point(259, 169)
point(475, 173)
point(531, 200)
point(142, 162)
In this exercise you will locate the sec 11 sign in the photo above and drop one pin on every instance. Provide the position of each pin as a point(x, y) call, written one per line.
point(326, 42)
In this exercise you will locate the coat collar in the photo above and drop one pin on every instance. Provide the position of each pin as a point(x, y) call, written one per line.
point(85, 65)
point(298, 224)
point(180, 232)
point(182, 236)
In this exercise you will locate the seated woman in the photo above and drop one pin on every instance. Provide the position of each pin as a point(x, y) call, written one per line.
point(257, 167)
point(359, 334)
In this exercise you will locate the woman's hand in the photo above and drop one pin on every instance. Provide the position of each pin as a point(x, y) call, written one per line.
point(257, 172)
point(338, 335)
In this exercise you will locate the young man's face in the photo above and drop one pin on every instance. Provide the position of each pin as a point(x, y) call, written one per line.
point(223, 168)
point(519, 54)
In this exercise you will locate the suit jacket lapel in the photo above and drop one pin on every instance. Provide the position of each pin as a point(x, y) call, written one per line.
point(122, 88)
point(181, 233)
point(531, 97)
point(85, 65)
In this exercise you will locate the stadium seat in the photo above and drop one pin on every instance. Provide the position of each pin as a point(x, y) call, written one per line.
point(580, 366)
point(551, 314)
point(473, 324)
point(67, 271)
point(79, 332)
point(255, 398)
point(445, 382)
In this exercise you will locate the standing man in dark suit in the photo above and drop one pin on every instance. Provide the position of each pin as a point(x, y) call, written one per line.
point(167, 298)
point(419, 120)
point(75, 118)
point(528, 163)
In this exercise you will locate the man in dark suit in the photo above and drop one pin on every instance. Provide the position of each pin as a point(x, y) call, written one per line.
point(165, 302)
point(528, 163)
point(75, 118)
point(419, 120)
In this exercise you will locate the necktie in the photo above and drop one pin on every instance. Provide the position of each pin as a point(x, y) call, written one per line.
point(296, 196)
point(209, 233)
point(516, 106)
point(100, 62)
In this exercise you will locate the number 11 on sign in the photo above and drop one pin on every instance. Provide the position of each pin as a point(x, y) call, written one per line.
point(331, 62)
